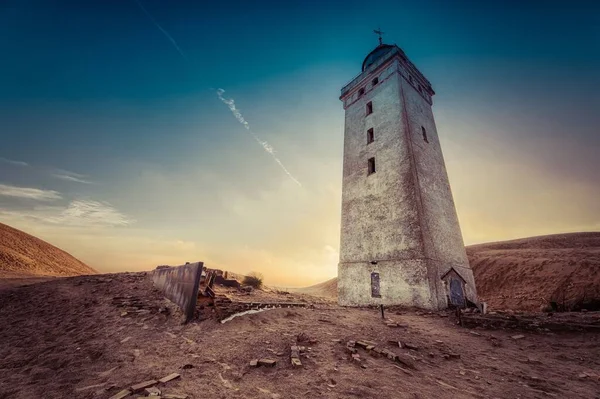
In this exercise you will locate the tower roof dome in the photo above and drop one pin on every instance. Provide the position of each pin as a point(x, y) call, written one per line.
point(374, 55)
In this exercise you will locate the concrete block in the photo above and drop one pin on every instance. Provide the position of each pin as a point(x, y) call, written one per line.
point(267, 362)
point(170, 377)
point(120, 395)
point(138, 387)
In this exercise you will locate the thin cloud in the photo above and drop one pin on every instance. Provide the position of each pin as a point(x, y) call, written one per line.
point(78, 213)
point(167, 35)
point(13, 162)
point(266, 146)
point(71, 176)
point(29, 193)
point(88, 212)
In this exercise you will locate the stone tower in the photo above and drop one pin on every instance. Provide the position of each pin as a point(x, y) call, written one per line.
point(401, 243)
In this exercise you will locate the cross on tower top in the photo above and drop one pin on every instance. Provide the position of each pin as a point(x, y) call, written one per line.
point(379, 33)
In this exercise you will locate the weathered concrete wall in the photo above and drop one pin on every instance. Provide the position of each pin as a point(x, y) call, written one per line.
point(379, 217)
point(402, 216)
point(444, 246)
point(180, 285)
point(402, 282)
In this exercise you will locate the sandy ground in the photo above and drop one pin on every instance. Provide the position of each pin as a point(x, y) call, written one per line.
point(11, 279)
point(67, 338)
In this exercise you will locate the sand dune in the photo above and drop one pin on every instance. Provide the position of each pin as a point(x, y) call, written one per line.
point(529, 273)
point(23, 255)
point(327, 289)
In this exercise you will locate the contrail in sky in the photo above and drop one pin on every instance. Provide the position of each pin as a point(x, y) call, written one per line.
point(266, 146)
point(230, 103)
point(161, 29)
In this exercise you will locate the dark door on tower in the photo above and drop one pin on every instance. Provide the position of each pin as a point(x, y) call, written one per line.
point(457, 295)
point(375, 285)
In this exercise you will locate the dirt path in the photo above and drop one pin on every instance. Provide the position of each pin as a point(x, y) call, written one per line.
point(67, 338)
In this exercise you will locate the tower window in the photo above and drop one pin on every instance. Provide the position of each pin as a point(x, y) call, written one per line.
point(361, 91)
point(424, 134)
point(375, 287)
point(369, 108)
point(375, 81)
point(371, 165)
point(410, 78)
point(370, 136)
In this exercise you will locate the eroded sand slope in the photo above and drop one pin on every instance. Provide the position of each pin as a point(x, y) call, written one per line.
point(23, 255)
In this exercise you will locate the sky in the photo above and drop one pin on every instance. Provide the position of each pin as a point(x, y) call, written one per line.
point(149, 132)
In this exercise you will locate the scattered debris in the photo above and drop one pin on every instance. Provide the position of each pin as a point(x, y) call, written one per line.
point(227, 383)
point(267, 362)
point(407, 345)
point(120, 395)
point(254, 363)
point(152, 391)
point(396, 325)
point(518, 336)
point(295, 356)
point(362, 344)
point(188, 366)
point(173, 396)
point(376, 351)
point(168, 378)
point(138, 387)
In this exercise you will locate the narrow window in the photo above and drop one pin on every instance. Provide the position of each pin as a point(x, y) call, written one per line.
point(420, 89)
point(369, 108)
point(375, 288)
point(361, 91)
point(375, 81)
point(410, 78)
point(371, 165)
point(424, 134)
point(370, 136)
